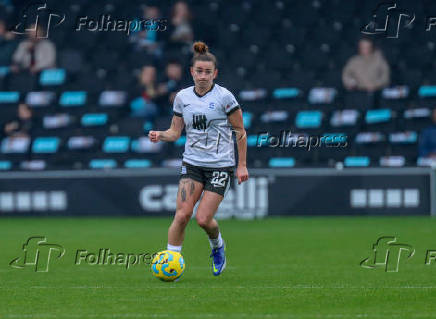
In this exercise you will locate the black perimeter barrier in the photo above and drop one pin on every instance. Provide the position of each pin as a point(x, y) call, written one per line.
point(152, 192)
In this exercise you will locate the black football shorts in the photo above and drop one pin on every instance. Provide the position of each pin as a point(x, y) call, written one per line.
point(216, 180)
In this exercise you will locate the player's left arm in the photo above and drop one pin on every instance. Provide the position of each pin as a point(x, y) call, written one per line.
point(235, 119)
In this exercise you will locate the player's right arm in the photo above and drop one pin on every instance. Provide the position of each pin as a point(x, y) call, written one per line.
point(170, 135)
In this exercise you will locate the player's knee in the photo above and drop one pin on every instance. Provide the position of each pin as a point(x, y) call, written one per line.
point(202, 221)
point(183, 216)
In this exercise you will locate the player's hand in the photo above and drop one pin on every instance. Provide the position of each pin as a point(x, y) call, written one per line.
point(241, 174)
point(154, 136)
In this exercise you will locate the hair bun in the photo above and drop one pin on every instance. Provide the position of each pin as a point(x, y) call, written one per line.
point(200, 47)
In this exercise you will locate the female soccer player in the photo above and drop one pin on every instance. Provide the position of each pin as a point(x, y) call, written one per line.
point(206, 110)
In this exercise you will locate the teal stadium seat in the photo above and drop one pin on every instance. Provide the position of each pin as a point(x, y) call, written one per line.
point(427, 91)
point(51, 77)
point(102, 163)
point(45, 145)
point(116, 144)
point(308, 119)
point(181, 141)
point(137, 163)
point(4, 70)
point(281, 162)
point(286, 93)
point(247, 117)
point(94, 119)
point(5, 165)
point(357, 161)
point(9, 97)
point(334, 138)
point(73, 98)
point(378, 116)
point(252, 140)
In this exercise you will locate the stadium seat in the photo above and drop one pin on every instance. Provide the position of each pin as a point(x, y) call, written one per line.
point(357, 161)
point(9, 97)
point(116, 144)
point(94, 119)
point(281, 162)
point(45, 145)
point(102, 164)
point(72, 99)
point(137, 163)
point(308, 119)
point(378, 116)
point(52, 77)
point(181, 141)
point(286, 93)
point(5, 165)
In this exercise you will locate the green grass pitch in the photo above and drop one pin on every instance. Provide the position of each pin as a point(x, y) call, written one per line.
point(276, 268)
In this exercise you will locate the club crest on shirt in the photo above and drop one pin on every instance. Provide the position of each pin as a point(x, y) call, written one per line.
point(212, 106)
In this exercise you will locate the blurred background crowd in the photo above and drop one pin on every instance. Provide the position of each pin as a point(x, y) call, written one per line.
point(86, 99)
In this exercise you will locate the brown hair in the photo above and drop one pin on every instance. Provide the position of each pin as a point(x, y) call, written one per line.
point(201, 53)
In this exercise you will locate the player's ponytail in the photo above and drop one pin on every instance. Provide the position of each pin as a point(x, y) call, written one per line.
point(201, 53)
point(200, 47)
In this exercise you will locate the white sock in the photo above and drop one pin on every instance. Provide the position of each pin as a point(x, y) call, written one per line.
point(174, 248)
point(216, 242)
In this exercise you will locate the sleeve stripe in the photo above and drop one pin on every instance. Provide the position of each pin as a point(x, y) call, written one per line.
point(233, 110)
point(178, 114)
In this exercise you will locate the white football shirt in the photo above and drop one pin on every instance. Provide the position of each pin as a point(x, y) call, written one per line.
point(209, 140)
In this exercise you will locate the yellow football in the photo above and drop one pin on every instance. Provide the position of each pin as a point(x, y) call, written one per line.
point(168, 265)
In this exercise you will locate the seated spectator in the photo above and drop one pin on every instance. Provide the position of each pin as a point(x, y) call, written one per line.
point(22, 125)
point(8, 44)
point(427, 140)
point(172, 84)
point(367, 73)
point(34, 54)
point(145, 105)
point(180, 21)
point(147, 37)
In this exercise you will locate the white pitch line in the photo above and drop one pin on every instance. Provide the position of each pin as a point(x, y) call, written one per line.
point(216, 315)
point(179, 286)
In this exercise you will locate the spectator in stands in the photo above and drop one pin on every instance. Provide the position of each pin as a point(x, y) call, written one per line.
point(147, 37)
point(35, 53)
point(7, 45)
point(427, 141)
point(181, 22)
point(367, 73)
point(172, 83)
point(22, 125)
point(146, 104)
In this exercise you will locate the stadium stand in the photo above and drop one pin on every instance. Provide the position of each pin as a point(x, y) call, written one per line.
point(91, 110)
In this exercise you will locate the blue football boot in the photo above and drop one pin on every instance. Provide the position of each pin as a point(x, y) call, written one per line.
point(219, 260)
